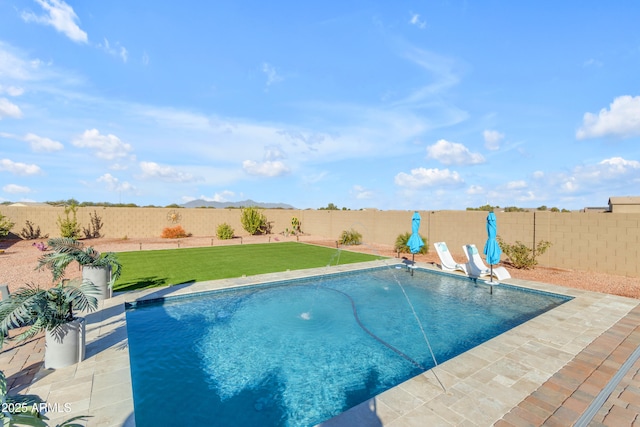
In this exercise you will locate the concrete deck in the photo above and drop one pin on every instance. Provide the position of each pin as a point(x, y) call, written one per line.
point(547, 371)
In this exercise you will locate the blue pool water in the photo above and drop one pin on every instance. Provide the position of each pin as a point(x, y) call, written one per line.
point(297, 353)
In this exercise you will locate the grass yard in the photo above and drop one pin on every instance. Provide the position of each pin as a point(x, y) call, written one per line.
point(148, 269)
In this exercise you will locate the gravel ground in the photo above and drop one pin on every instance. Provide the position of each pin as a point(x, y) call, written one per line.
point(18, 262)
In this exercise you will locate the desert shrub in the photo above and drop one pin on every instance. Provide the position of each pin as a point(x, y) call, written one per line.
point(69, 224)
point(30, 233)
point(5, 225)
point(350, 237)
point(522, 256)
point(296, 226)
point(95, 225)
point(254, 221)
point(402, 247)
point(224, 231)
point(176, 232)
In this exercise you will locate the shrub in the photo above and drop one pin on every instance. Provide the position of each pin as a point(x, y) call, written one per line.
point(295, 226)
point(520, 255)
point(224, 231)
point(5, 225)
point(176, 232)
point(402, 247)
point(93, 231)
point(29, 233)
point(69, 226)
point(350, 237)
point(254, 221)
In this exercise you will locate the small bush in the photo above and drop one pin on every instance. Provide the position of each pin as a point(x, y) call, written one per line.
point(5, 225)
point(350, 237)
point(296, 226)
point(520, 255)
point(176, 232)
point(30, 233)
point(254, 221)
point(224, 231)
point(69, 226)
point(93, 231)
point(402, 247)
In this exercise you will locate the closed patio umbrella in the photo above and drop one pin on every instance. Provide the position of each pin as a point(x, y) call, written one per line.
point(415, 243)
point(492, 248)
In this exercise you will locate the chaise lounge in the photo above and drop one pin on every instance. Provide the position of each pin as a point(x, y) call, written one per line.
point(477, 267)
point(447, 262)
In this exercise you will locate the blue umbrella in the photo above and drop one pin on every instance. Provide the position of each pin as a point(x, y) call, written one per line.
point(415, 243)
point(492, 248)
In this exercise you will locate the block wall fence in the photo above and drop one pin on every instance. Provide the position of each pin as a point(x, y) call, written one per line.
point(602, 242)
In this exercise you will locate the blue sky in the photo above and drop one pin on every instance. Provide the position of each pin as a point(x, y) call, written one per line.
point(364, 104)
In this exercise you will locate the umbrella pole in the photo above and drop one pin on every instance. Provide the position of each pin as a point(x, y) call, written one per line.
point(491, 289)
point(413, 262)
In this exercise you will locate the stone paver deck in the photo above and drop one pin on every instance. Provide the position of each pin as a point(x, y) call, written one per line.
point(547, 371)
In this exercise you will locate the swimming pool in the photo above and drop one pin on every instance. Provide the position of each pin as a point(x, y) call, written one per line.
point(299, 352)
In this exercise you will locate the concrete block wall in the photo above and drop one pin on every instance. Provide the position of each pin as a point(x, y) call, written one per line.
point(605, 242)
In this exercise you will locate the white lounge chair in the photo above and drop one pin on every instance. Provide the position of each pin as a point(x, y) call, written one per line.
point(447, 262)
point(477, 267)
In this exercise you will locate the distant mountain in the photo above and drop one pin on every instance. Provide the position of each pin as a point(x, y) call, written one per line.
point(241, 204)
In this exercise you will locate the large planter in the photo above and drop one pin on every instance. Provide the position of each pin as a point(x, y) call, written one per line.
point(99, 276)
point(65, 346)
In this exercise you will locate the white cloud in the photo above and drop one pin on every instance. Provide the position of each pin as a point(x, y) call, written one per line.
point(450, 153)
point(621, 120)
point(163, 172)
point(538, 174)
point(271, 73)
point(415, 20)
point(42, 145)
point(444, 77)
point(606, 175)
point(422, 177)
point(116, 50)
point(223, 196)
point(268, 168)
point(492, 139)
point(15, 66)
point(516, 185)
point(61, 17)
point(616, 166)
point(114, 184)
point(11, 90)
point(8, 109)
point(362, 193)
point(108, 147)
point(18, 168)
point(475, 189)
point(15, 189)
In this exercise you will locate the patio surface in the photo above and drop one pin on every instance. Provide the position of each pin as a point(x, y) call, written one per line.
point(579, 358)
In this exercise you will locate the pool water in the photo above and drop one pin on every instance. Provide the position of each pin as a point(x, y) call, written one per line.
point(297, 353)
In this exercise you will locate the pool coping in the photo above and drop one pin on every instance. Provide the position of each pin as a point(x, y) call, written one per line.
point(482, 384)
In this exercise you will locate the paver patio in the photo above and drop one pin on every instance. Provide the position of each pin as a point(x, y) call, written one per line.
point(547, 371)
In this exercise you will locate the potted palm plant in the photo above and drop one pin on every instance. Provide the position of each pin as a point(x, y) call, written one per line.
point(101, 269)
point(55, 311)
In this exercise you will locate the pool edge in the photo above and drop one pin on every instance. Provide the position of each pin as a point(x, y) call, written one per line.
point(483, 384)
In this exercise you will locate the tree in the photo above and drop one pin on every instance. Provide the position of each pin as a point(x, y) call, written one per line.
point(330, 207)
point(254, 221)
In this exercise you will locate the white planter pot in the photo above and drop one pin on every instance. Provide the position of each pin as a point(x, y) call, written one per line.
point(65, 346)
point(100, 276)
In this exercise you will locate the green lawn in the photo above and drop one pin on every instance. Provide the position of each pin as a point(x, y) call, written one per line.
point(147, 269)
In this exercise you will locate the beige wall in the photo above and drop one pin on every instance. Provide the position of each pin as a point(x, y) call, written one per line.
point(605, 242)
